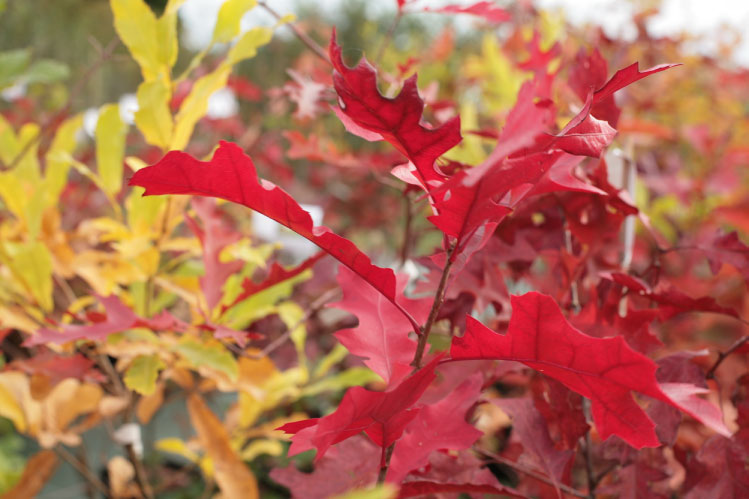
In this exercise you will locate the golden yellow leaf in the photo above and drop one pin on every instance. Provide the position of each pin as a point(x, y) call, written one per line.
point(232, 476)
point(11, 409)
point(153, 118)
point(229, 15)
point(31, 264)
point(110, 147)
point(152, 42)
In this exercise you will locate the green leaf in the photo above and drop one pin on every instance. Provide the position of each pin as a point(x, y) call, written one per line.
point(47, 71)
point(356, 376)
point(211, 354)
point(142, 374)
point(110, 148)
point(12, 65)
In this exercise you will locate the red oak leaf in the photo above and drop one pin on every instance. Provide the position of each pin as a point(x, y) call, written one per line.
point(231, 175)
point(58, 367)
point(728, 248)
point(382, 334)
point(381, 415)
point(719, 468)
point(214, 236)
point(530, 428)
point(422, 488)
point(604, 370)
point(440, 425)
point(671, 300)
point(119, 317)
point(397, 120)
point(350, 465)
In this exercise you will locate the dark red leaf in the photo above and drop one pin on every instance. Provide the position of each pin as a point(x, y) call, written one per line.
point(231, 175)
point(440, 425)
point(604, 370)
point(381, 415)
point(397, 120)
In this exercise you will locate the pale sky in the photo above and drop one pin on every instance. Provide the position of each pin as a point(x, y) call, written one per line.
point(706, 18)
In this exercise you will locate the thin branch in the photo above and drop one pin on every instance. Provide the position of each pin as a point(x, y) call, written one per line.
point(303, 37)
point(532, 473)
point(408, 212)
point(723, 355)
point(141, 478)
point(388, 37)
point(588, 453)
point(90, 478)
point(314, 307)
point(385, 463)
point(47, 128)
point(439, 297)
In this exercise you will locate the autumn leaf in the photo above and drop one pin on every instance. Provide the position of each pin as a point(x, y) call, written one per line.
point(39, 469)
point(381, 337)
point(604, 370)
point(439, 425)
point(381, 415)
point(231, 175)
point(233, 477)
point(397, 120)
point(119, 317)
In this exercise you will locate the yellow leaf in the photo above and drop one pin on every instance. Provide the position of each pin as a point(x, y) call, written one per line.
point(153, 118)
point(142, 374)
point(195, 105)
point(152, 42)
point(227, 24)
point(31, 264)
point(247, 45)
point(262, 446)
point(178, 447)
point(57, 164)
point(382, 491)
point(208, 354)
point(9, 408)
point(232, 476)
point(39, 469)
point(110, 148)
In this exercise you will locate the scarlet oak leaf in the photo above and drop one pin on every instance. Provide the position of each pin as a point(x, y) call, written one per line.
point(396, 120)
point(604, 370)
point(422, 488)
point(381, 415)
point(440, 425)
point(214, 236)
point(119, 317)
point(231, 175)
point(350, 465)
point(531, 429)
point(382, 334)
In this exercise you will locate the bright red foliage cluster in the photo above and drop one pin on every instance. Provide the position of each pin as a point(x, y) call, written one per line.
point(554, 182)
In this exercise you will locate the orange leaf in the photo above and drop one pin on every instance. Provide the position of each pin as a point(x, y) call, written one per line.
point(38, 470)
point(234, 478)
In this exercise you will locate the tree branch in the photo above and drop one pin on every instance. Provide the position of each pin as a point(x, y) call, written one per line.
point(439, 297)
